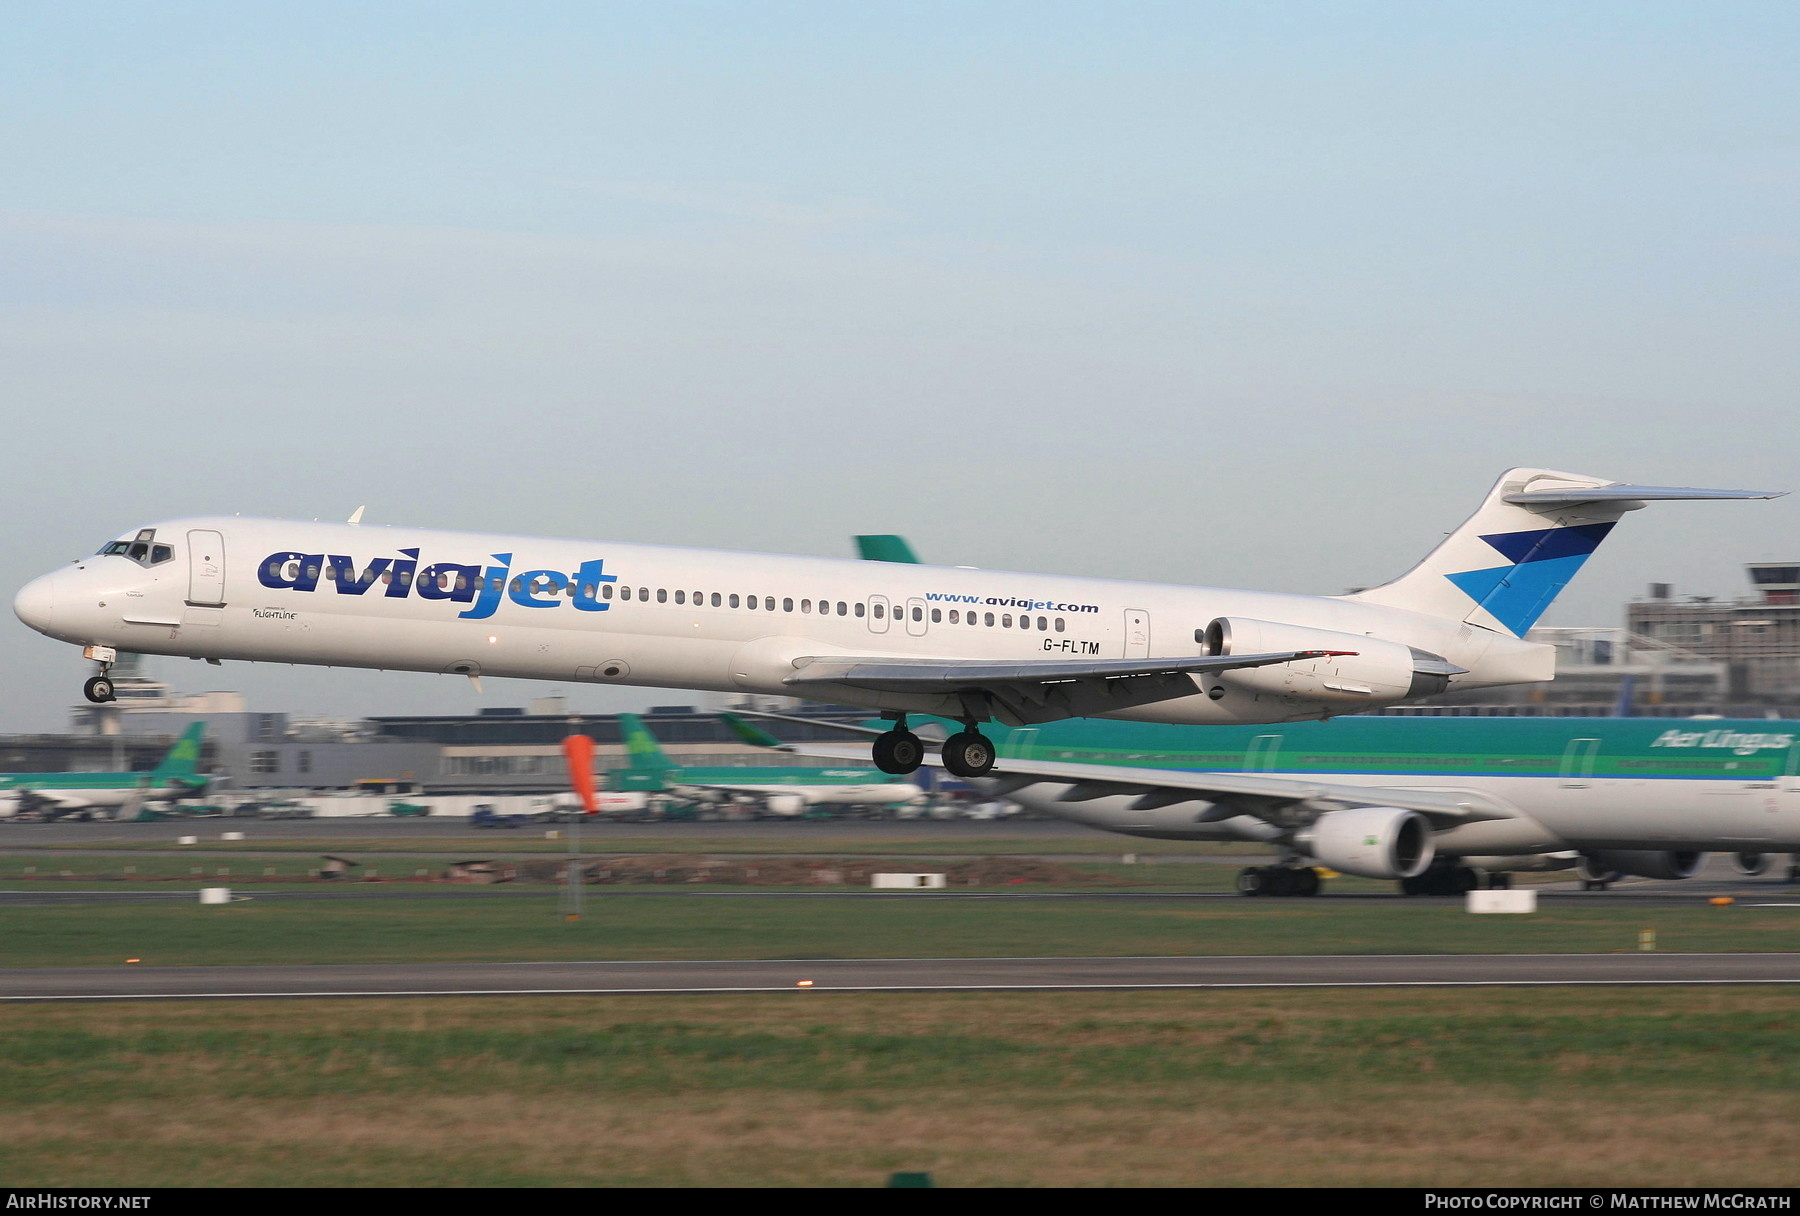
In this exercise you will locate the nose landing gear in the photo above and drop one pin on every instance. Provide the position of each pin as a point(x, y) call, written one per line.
point(99, 689)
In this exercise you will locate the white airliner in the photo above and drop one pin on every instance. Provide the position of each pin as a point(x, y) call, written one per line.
point(972, 645)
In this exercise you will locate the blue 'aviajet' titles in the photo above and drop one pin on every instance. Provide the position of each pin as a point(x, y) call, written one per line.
point(463, 584)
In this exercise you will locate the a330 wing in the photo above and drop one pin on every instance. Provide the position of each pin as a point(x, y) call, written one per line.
point(1025, 693)
point(1230, 794)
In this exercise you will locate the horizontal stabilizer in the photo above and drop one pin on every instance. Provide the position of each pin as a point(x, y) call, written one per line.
point(1504, 566)
point(1628, 493)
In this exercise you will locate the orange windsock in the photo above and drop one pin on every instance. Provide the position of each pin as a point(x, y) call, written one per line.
point(578, 750)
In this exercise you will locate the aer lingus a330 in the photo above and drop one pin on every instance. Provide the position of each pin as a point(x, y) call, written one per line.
point(972, 645)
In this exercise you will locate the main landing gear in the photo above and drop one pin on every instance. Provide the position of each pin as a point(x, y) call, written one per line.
point(968, 753)
point(899, 750)
point(1278, 880)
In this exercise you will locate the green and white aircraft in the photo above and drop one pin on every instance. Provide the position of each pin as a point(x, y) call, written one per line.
point(1433, 802)
point(782, 791)
point(108, 794)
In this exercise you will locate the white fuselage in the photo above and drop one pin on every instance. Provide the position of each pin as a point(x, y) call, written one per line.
point(568, 610)
point(874, 793)
point(1553, 813)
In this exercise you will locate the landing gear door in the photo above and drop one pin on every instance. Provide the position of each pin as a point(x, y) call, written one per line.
point(206, 569)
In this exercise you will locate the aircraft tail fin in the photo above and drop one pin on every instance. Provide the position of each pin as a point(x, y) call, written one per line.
point(183, 759)
point(1502, 568)
point(749, 733)
point(641, 745)
point(886, 548)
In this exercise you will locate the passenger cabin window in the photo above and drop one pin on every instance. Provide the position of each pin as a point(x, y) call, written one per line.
point(787, 605)
point(681, 597)
point(662, 595)
point(717, 599)
point(859, 608)
point(879, 612)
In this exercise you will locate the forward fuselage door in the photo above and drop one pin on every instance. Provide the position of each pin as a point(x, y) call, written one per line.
point(206, 569)
point(915, 617)
point(1137, 633)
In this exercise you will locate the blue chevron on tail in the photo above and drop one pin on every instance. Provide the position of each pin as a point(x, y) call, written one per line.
point(1542, 562)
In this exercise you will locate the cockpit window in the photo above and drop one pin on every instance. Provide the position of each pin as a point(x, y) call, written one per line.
point(142, 550)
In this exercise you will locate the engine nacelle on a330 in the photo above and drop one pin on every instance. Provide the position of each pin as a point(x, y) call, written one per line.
point(785, 804)
point(1602, 865)
point(1371, 841)
point(1372, 670)
point(1751, 864)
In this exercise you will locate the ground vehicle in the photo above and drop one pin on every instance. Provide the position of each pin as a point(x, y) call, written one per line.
point(485, 816)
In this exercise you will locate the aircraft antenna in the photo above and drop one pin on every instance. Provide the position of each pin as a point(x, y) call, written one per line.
point(356, 515)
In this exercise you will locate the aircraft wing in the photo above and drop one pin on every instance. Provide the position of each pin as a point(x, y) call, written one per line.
point(62, 800)
point(1033, 691)
point(1257, 794)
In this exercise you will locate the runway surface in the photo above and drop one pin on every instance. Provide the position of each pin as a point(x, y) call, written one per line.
point(888, 975)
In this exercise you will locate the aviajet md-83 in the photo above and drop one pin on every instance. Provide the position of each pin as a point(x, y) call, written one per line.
point(971, 645)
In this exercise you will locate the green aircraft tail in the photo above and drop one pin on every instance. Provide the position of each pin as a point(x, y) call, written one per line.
point(748, 733)
point(885, 549)
point(641, 745)
point(182, 760)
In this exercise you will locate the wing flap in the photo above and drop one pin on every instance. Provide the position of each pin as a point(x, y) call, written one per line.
point(941, 675)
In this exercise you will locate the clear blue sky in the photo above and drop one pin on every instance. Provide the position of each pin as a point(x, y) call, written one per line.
point(1254, 294)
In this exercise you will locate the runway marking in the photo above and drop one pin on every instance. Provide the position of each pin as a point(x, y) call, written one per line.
point(786, 987)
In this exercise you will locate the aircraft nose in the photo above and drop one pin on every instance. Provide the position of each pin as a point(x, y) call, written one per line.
point(36, 603)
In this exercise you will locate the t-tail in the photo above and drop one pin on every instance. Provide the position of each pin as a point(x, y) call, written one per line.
point(641, 746)
point(1502, 568)
point(183, 760)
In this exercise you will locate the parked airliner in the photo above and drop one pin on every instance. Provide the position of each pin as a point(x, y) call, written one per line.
point(973, 645)
point(1432, 802)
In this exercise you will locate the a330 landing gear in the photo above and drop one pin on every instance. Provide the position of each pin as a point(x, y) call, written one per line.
point(99, 690)
point(969, 753)
point(899, 750)
point(1442, 877)
point(1278, 880)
